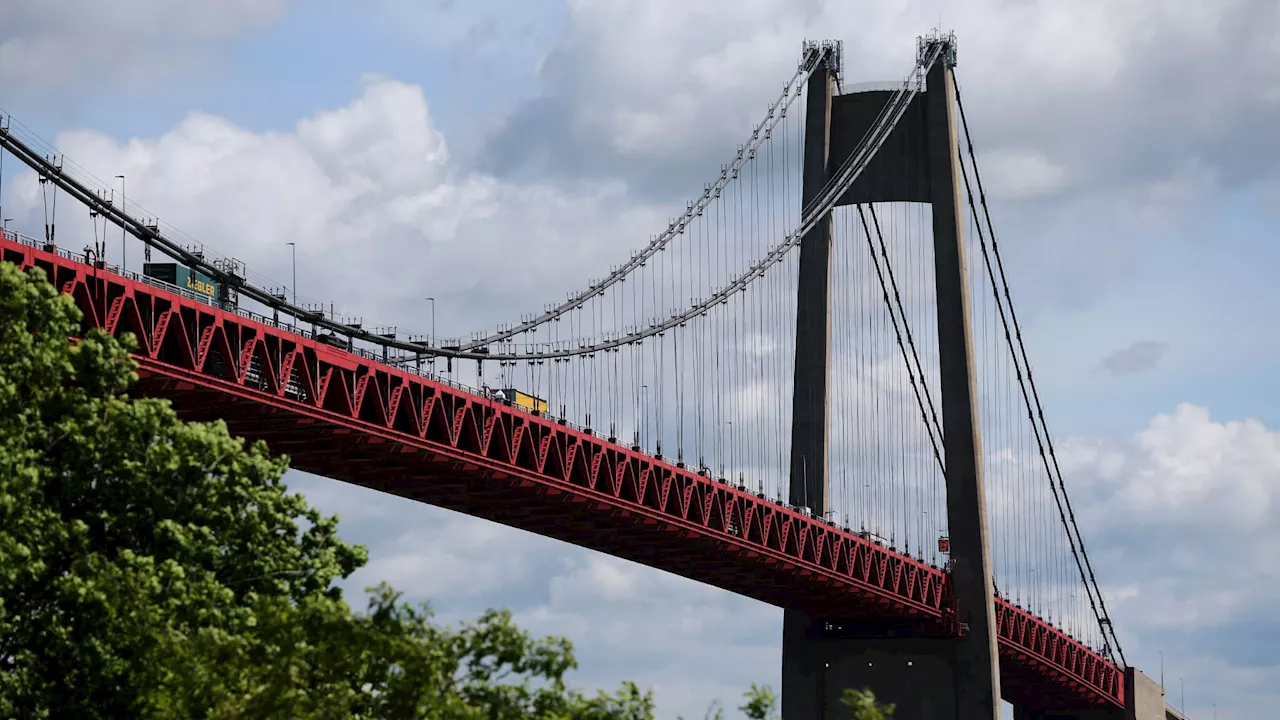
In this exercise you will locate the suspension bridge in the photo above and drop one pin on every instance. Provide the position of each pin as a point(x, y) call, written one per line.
point(811, 389)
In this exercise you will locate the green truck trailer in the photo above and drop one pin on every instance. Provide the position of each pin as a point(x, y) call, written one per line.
point(185, 278)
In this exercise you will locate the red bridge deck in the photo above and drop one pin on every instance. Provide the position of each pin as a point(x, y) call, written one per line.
point(347, 416)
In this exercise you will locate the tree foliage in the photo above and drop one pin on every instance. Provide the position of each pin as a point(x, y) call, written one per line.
point(760, 703)
point(864, 706)
point(155, 568)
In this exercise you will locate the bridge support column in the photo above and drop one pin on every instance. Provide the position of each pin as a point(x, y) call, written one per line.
point(915, 674)
point(809, 486)
point(1144, 698)
point(952, 679)
point(977, 678)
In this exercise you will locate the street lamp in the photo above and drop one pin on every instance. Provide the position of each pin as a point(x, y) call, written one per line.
point(124, 264)
point(6, 223)
point(432, 358)
point(293, 248)
point(433, 320)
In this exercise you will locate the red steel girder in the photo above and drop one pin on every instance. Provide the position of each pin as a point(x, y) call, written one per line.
point(351, 418)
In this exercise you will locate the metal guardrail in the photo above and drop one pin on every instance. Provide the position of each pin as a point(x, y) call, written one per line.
point(403, 361)
point(85, 258)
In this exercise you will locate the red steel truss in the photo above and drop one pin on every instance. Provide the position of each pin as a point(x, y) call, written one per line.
point(350, 417)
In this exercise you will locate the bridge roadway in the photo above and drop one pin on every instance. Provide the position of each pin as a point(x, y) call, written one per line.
point(348, 416)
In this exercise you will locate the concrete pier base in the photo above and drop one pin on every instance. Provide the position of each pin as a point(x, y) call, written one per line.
point(915, 674)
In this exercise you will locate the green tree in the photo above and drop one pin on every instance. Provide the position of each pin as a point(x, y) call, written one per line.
point(155, 568)
point(760, 703)
point(864, 706)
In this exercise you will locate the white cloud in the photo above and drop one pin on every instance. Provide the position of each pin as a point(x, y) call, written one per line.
point(1023, 174)
point(380, 214)
point(471, 559)
point(51, 43)
point(1094, 92)
point(1188, 471)
point(1183, 520)
point(486, 29)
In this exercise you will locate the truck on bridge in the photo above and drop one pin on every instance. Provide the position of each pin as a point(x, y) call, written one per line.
point(523, 400)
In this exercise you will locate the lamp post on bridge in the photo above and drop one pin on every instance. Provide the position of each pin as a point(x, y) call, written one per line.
point(433, 325)
point(293, 249)
point(431, 360)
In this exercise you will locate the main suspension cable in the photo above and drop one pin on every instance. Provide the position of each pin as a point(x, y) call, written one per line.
point(902, 346)
point(1031, 395)
point(676, 229)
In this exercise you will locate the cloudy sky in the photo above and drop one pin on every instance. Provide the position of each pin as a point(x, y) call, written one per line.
point(1130, 153)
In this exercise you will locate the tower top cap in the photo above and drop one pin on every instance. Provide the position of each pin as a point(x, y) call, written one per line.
point(828, 52)
point(926, 45)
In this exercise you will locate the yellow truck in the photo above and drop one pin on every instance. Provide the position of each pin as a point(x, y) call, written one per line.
point(521, 400)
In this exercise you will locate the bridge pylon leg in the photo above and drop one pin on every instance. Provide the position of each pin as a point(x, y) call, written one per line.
point(929, 679)
point(809, 485)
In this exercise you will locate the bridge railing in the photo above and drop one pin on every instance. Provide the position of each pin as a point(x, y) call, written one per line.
point(403, 362)
point(88, 259)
